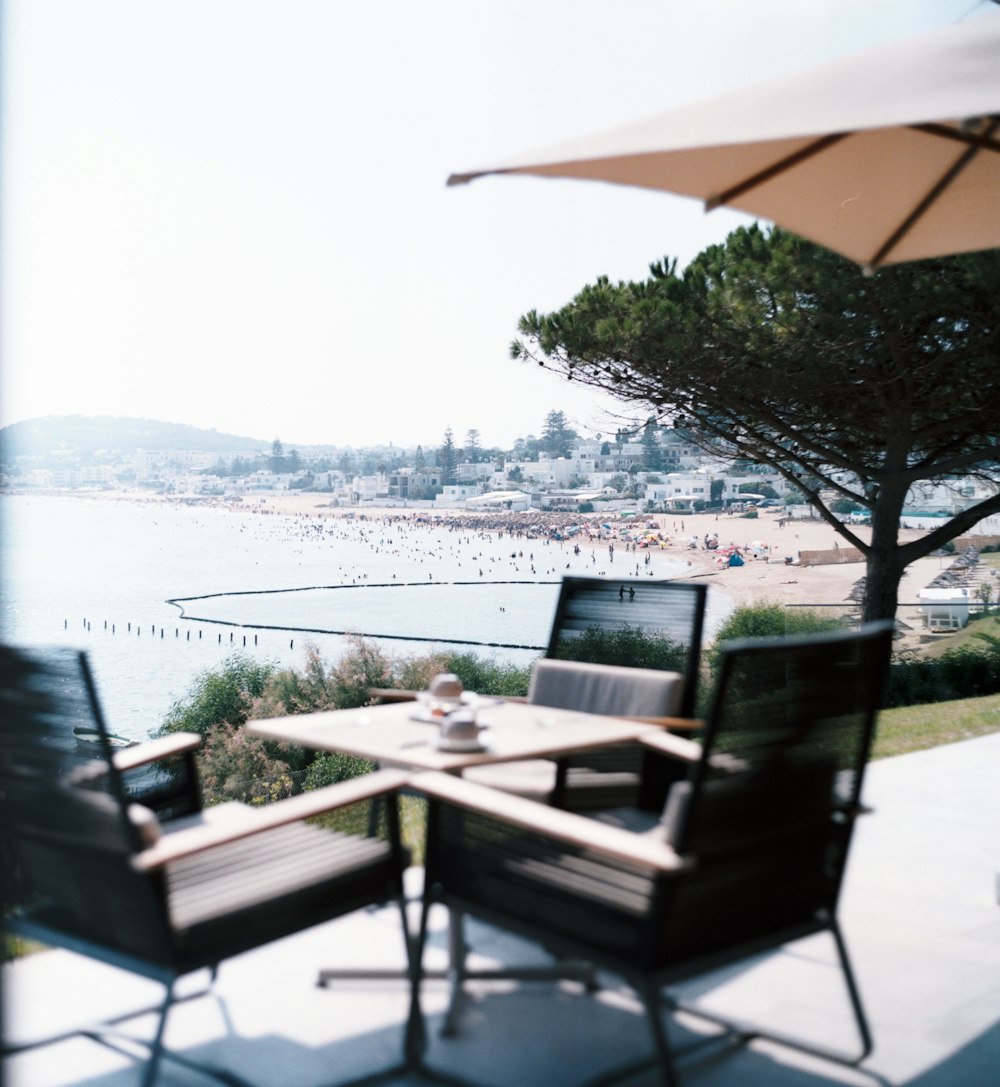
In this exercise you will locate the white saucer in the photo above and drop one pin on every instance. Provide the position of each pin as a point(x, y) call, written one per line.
point(464, 747)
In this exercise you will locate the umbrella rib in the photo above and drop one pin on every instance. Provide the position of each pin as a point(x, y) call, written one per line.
point(939, 187)
point(774, 170)
point(983, 141)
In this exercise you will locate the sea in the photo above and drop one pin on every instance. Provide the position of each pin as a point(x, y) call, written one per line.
point(158, 593)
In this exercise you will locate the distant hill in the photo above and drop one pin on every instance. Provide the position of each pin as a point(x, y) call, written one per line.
point(86, 435)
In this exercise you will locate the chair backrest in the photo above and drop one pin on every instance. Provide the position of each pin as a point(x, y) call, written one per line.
point(769, 808)
point(65, 813)
point(634, 623)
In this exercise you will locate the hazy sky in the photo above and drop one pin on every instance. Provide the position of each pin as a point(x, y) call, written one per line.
point(233, 213)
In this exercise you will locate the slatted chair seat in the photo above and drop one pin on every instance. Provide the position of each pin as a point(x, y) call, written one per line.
point(278, 880)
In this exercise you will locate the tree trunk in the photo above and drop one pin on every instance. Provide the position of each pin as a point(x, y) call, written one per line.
point(884, 569)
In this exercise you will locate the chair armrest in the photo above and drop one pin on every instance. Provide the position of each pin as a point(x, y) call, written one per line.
point(189, 841)
point(676, 747)
point(395, 694)
point(575, 830)
point(391, 694)
point(164, 747)
point(686, 724)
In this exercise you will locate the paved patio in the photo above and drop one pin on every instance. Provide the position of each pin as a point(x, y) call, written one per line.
point(920, 913)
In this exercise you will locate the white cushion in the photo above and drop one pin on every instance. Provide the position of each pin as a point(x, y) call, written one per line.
point(605, 688)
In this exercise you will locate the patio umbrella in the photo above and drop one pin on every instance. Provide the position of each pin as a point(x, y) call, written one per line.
point(888, 155)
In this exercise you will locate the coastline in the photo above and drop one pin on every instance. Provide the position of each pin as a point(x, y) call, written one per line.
point(767, 579)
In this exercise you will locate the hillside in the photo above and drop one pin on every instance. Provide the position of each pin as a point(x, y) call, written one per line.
point(85, 436)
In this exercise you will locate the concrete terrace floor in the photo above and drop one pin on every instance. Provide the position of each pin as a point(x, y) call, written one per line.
point(920, 913)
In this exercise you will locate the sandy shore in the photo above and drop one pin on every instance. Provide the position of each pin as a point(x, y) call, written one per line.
point(756, 581)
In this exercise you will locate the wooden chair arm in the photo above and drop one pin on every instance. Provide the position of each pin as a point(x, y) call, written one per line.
point(685, 724)
point(676, 747)
point(391, 694)
point(613, 842)
point(164, 747)
point(174, 846)
point(394, 694)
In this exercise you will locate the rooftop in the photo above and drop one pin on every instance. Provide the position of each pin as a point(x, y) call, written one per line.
point(920, 913)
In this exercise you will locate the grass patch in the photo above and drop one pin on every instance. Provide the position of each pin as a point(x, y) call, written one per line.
point(413, 826)
point(990, 624)
point(915, 728)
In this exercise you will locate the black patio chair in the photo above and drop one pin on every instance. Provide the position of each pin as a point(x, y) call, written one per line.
point(98, 874)
point(628, 648)
point(749, 856)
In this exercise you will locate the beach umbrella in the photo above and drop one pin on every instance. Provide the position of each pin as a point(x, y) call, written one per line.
point(887, 155)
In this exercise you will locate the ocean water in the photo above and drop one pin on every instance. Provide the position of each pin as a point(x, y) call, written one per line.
point(158, 593)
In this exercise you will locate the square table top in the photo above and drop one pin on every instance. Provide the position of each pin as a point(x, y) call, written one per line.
point(391, 734)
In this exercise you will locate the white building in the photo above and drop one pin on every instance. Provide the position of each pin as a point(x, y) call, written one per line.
point(456, 495)
point(514, 501)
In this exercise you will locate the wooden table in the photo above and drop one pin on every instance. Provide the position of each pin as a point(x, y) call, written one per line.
point(389, 735)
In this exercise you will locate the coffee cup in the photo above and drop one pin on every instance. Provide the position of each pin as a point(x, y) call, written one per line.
point(446, 687)
point(460, 727)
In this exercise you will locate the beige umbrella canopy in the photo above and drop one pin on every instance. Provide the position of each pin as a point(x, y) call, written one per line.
point(888, 155)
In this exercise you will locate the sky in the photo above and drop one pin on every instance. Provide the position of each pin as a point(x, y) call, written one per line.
point(233, 213)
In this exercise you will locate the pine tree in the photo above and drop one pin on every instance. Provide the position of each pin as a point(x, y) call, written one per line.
point(447, 458)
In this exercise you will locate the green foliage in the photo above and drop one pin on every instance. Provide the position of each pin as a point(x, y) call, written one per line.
point(629, 646)
point(448, 458)
point(328, 769)
point(772, 349)
point(221, 696)
point(966, 671)
point(557, 436)
point(318, 687)
point(771, 619)
point(585, 507)
point(768, 619)
point(484, 675)
point(235, 766)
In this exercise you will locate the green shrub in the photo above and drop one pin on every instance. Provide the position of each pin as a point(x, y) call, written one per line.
point(221, 696)
point(630, 646)
point(768, 619)
point(967, 671)
point(235, 766)
point(486, 675)
point(329, 768)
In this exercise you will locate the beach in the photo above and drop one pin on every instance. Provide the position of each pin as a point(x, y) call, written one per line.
point(159, 588)
point(826, 584)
